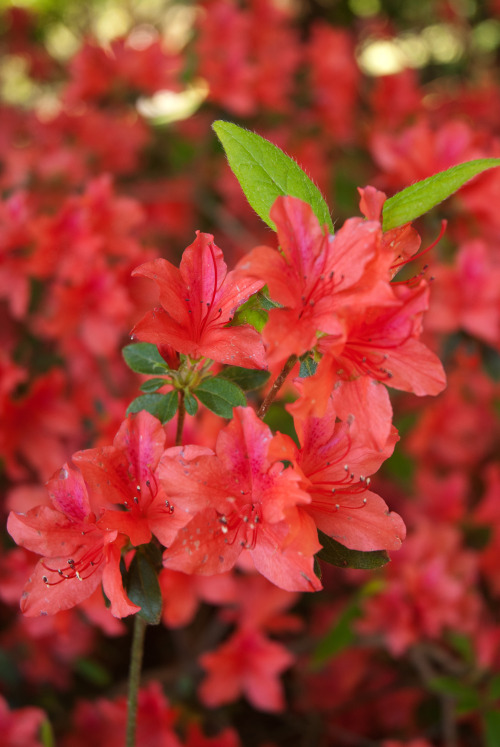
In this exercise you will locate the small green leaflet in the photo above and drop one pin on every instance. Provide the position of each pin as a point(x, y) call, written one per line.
point(143, 357)
point(220, 396)
point(162, 406)
point(152, 385)
point(190, 403)
point(336, 554)
point(247, 378)
point(265, 172)
point(143, 587)
point(419, 198)
point(308, 367)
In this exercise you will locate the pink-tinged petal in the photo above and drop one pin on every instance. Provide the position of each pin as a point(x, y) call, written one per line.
point(105, 472)
point(45, 531)
point(371, 202)
point(286, 334)
point(159, 328)
point(352, 248)
point(368, 401)
point(170, 284)
point(136, 528)
point(242, 446)
point(112, 583)
point(291, 568)
point(236, 346)
point(41, 598)
point(415, 368)
point(271, 267)
point(193, 481)
point(358, 525)
point(142, 439)
point(237, 289)
point(69, 494)
point(203, 547)
point(300, 236)
point(165, 519)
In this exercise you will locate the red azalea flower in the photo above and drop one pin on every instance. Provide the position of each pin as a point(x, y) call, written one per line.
point(77, 553)
point(247, 664)
point(315, 275)
point(124, 476)
point(336, 462)
point(245, 500)
point(198, 299)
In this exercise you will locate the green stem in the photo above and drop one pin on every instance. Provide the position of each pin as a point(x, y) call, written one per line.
point(134, 678)
point(278, 383)
point(181, 415)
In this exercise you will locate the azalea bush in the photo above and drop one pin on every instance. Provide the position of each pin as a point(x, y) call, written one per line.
point(249, 374)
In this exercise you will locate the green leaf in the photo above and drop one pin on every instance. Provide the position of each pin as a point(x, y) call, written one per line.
point(467, 698)
point(190, 403)
point(93, 672)
point(494, 688)
point(265, 172)
point(251, 312)
point(338, 638)
point(220, 396)
point(336, 554)
point(47, 734)
point(162, 406)
point(143, 587)
point(151, 385)
point(246, 378)
point(308, 367)
point(491, 722)
point(143, 357)
point(419, 198)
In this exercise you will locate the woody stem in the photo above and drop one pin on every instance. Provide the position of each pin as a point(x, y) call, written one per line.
point(280, 380)
point(134, 678)
point(181, 414)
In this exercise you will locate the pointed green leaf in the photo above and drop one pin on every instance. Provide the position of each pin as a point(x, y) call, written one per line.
point(246, 378)
point(338, 637)
point(308, 367)
point(143, 357)
point(419, 198)
point(162, 406)
point(151, 385)
point(190, 404)
point(265, 172)
point(220, 396)
point(336, 554)
point(47, 734)
point(492, 728)
point(143, 587)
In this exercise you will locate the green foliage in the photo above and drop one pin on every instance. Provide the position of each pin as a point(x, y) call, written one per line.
point(190, 403)
point(419, 198)
point(265, 172)
point(220, 396)
point(143, 587)
point(336, 554)
point(491, 721)
point(151, 385)
point(143, 357)
point(308, 366)
point(162, 406)
point(246, 378)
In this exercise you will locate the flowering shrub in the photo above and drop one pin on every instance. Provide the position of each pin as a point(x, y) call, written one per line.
point(293, 403)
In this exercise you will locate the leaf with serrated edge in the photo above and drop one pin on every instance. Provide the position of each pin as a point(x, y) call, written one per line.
point(265, 172)
point(336, 554)
point(419, 198)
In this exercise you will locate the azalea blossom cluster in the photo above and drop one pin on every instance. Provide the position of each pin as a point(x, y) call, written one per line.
point(254, 493)
point(107, 163)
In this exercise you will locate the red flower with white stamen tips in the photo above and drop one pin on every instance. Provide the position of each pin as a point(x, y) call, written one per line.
point(77, 553)
point(198, 299)
point(245, 501)
point(336, 461)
